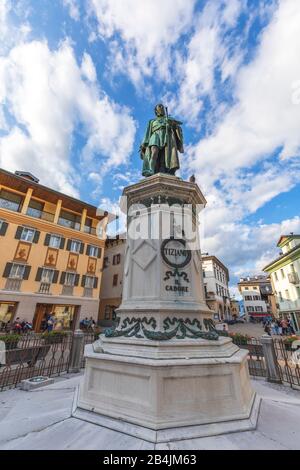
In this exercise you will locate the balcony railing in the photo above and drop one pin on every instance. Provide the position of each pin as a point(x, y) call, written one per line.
point(67, 290)
point(68, 223)
point(13, 284)
point(90, 230)
point(10, 205)
point(293, 278)
point(40, 214)
point(44, 288)
point(76, 226)
point(88, 292)
point(47, 216)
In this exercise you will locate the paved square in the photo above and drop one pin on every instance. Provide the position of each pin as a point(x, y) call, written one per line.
point(41, 420)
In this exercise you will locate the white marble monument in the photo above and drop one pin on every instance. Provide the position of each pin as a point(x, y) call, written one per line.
point(164, 372)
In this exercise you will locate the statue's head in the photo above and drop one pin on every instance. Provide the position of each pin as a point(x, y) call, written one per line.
point(159, 110)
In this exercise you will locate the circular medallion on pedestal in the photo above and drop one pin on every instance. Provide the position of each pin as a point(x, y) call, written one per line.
point(174, 253)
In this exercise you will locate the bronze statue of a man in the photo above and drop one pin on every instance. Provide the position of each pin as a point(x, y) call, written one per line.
point(161, 144)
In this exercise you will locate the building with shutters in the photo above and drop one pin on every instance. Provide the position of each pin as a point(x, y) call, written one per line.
point(258, 298)
point(284, 272)
point(112, 279)
point(216, 287)
point(51, 253)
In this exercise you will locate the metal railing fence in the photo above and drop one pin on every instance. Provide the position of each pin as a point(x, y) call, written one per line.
point(33, 354)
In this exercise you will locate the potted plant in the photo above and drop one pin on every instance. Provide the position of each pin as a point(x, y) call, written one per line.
point(97, 331)
point(54, 337)
point(288, 341)
point(10, 340)
point(240, 339)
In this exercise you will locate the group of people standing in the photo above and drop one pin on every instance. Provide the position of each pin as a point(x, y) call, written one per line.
point(21, 326)
point(49, 322)
point(279, 327)
point(87, 324)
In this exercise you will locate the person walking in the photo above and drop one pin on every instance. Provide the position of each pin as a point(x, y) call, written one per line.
point(284, 326)
point(84, 324)
point(290, 328)
point(279, 327)
point(17, 326)
point(273, 327)
point(267, 329)
point(50, 323)
point(92, 324)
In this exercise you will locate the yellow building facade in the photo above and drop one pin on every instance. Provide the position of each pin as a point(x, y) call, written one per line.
point(51, 254)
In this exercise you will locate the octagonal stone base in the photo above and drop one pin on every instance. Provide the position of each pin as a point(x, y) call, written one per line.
point(172, 349)
point(158, 399)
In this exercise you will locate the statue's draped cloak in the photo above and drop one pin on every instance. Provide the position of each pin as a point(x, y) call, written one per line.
point(166, 134)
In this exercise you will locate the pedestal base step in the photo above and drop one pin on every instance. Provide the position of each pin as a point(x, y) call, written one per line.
point(172, 434)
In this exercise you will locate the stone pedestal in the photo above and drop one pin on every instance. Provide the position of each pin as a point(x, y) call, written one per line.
point(164, 372)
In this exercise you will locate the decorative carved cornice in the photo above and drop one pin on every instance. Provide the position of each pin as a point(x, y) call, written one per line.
point(173, 328)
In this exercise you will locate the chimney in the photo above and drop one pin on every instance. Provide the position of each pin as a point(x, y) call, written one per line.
point(27, 176)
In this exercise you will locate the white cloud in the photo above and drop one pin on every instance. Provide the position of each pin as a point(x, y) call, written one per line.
point(231, 11)
point(236, 164)
point(210, 47)
point(245, 248)
point(47, 95)
point(147, 29)
point(118, 221)
point(87, 68)
point(264, 117)
point(248, 249)
point(10, 31)
point(73, 7)
point(5, 7)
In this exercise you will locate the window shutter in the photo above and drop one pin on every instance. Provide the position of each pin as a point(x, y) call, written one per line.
point(19, 232)
point(99, 252)
point(83, 281)
point(88, 250)
point(38, 276)
point(7, 269)
point(26, 272)
point(36, 236)
point(62, 243)
point(55, 276)
point(81, 248)
point(3, 228)
point(62, 278)
point(95, 282)
point(47, 239)
point(76, 280)
point(69, 245)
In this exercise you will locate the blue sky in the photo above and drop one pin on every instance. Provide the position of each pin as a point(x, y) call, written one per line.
point(79, 80)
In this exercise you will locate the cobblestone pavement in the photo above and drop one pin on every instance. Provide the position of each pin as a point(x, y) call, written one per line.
point(255, 330)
